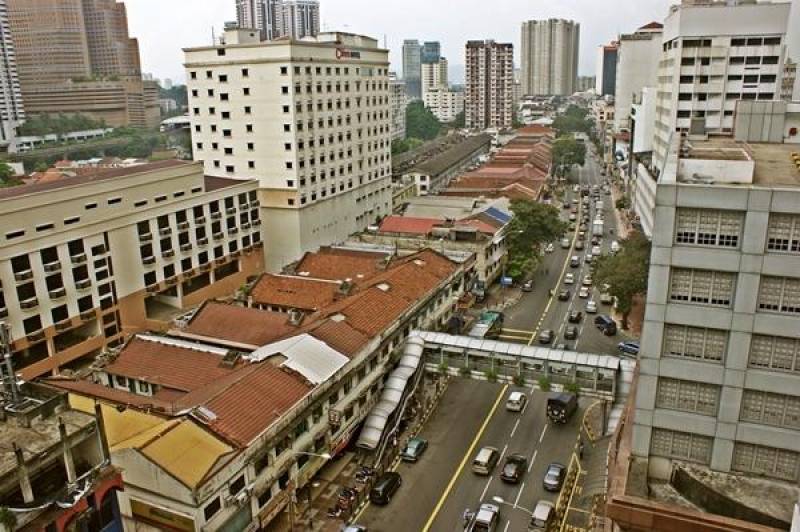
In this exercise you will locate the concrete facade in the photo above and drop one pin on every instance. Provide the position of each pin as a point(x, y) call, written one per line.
point(637, 67)
point(489, 92)
point(445, 104)
point(607, 58)
point(398, 99)
point(12, 111)
point(550, 57)
point(310, 120)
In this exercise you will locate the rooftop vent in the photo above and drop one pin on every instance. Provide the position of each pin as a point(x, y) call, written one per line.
point(205, 415)
point(230, 359)
point(384, 287)
point(296, 317)
point(338, 317)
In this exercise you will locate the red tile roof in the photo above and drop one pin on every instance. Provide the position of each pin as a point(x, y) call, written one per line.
point(294, 292)
point(242, 325)
point(408, 225)
point(340, 264)
point(652, 26)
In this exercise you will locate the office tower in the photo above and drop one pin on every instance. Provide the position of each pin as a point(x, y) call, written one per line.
point(550, 57)
point(86, 258)
point(398, 100)
point(266, 110)
point(12, 111)
point(637, 67)
point(605, 84)
point(489, 93)
point(76, 56)
point(300, 18)
point(412, 59)
point(431, 52)
point(584, 83)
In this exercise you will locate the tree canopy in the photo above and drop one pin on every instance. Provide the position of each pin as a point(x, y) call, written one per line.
point(404, 145)
point(45, 124)
point(6, 172)
point(626, 272)
point(533, 225)
point(574, 120)
point(567, 152)
point(177, 93)
point(420, 122)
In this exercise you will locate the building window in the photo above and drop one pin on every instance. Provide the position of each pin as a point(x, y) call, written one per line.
point(768, 461)
point(706, 227)
point(779, 294)
point(681, 445)
point(245, 72)
point(702, 287)
point(211, 509)
point(687, 396)
point(694, 342)
point(774, 352)
point(770, 409)
point(783, 233)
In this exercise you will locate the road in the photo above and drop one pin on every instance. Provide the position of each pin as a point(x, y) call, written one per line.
point(437, 489)
point(537, 310)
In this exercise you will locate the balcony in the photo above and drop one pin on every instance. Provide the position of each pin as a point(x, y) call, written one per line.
point(218, 235)
point(165, 231)
point(23, 275)
point(205, 267)
point(30, 303)
point(200, 220)
point(186, 247)
point(87, 315)
point(259, 244)
point(233, 230)
point(256, 223)
point(216, 215)
point(37, 336)
point(52, 267)
point(202, 241)
point(57, 293)
point(149, 260)
point(167, 253)
point(79, 258)
point(63, 325)
point(3, 312)
point(236, 254)
point(183, 226)
point(83, 284)
point(245, 226)
point(220, 260)
point(146, 237)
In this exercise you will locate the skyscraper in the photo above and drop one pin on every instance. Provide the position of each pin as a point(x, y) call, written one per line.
point(11, 108)
point(412, 60)
point(112, 52)
point(550, 57)
point(279, 18)
point(431, 52)
point(489, 93)
point(434, 75)
point(605, 81)
point(300, 18)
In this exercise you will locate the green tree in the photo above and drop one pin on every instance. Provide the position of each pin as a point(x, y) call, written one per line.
point(6, 172)
point(626, 272)
point(568, 152)
point(420, 122)
point(574, 120)
point(533, 225)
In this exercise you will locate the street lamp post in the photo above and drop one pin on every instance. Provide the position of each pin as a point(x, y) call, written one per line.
point(500, 500)
point(293, 492)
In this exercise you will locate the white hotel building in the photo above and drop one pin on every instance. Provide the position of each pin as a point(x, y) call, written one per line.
point(310, 120)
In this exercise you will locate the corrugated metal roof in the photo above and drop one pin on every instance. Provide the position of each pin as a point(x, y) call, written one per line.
point(312, 358)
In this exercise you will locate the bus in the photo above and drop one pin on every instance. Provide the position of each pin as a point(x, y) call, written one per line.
point(489, 325)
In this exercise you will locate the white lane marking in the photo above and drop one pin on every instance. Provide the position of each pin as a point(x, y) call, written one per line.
point(507, 525)
point(543, 431)
point(514, 429)
point(504, 451)
point(530, 466)
point(485, 489)
point(519, 494)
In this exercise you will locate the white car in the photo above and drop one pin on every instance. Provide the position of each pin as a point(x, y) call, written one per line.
point(549, 248)
point(591, 307)
point(587, 280)
point(614, 246)
point(596, 251)
point(569, 279)
point(583, 292)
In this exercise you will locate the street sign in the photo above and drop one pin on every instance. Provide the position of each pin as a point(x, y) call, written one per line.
point(506, 281)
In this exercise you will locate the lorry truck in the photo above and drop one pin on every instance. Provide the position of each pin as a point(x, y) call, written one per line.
point(597, 228)
point(560, 407)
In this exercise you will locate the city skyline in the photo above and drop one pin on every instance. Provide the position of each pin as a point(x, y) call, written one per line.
point(161, 52)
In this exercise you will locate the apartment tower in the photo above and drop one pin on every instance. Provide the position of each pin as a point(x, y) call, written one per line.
point(309, 119)
point(605, 83)
point(550, 57)
point(489, 91)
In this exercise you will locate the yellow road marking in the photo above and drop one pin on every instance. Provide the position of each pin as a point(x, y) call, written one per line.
point(517, 331)
point(464, 460)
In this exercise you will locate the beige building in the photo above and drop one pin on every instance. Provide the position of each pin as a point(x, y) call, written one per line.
point(87, 258)
point(434, 76)
point(550, 57)
point(310, 120)
point(489, 94)
point(445, 104)
point(398, 100)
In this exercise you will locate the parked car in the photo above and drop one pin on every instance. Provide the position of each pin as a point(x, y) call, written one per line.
point(607, 325)
point(554, 476)
point(631, 348)
point(569, 279)
point(414, 449)
point(564, 295)
point(596, 251)
point(546, 336)
point(385, 487)
point(575, 316)
point(606, 298)
point(591, 307)
point(563, 347)
point(615, 246)
point(571, 333)
point(516, 401)
point(588, 258)
point(514, 468)
point(543, 517)
point(527, 286)
point(583, 293)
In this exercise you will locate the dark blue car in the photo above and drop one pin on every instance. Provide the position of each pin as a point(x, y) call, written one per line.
point(630, 348)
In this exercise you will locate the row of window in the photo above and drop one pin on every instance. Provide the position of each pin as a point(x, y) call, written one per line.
point(704, 79)
point(284, 71)
point(687, 396)
point(733, 60)
point(709, 227)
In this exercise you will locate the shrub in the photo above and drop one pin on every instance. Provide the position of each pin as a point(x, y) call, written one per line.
point(544, 384)
point(572, 387)
point(519, 380)
point(464, 372)
point(491, 375)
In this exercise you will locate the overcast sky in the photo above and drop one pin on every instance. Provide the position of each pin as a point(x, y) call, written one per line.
point(163, 27)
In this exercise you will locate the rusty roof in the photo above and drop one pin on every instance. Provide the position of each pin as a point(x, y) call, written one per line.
point(294, 292)
point(339, 264)
point(242, 325)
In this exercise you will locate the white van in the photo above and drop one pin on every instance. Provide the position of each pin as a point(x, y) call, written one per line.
point(614, 246)
point(516, 401)
point(485, 460)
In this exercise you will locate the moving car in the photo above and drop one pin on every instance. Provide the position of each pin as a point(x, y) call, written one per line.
point(575, 261)
point(485, 460)
point(565, 243)
point(596, 251)
point(587, 280)
point(631, 348)
point(527, 286)
point(546, 336)
point(485, 519)
point(414, 449)
point(579, 244)
point(569, 279)
point(543, 516)
point(554, 477)
point(570, 333)
point(549, 248)
point(606, 298)
point(588, 259)
point(516, 401)
point(564, 295)
point(607, 325)
point(385, 487)
point(575, 316)
point(514, 468)
point(583, 293)
point(615, 246)
point(591, 307)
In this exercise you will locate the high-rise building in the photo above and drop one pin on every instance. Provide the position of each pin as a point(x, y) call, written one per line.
point(300, 18)
point(12, 111)
point(585, 83)
point(550, 57)
point(489, 91)
point(431, 52)
point(605, 82)
point(445, 104)
point(412, 61)
point(75, 56)
point(434, 75)
point(637, 67)
point(398, 100)
point(323, 165)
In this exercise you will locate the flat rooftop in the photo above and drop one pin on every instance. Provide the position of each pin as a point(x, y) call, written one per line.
point(773, 163)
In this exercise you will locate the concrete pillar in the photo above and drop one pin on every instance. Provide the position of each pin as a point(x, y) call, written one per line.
point(101, 431)
point(22, 473)
point(66, 449)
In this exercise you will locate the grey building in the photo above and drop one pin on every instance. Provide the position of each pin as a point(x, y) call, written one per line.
point(279, 18)
point(431, 52)
point(550, 57)
point(412, 68)
point(605, 84)
point(719, 381)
